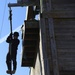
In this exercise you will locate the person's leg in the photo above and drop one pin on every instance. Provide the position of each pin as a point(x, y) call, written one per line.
point(14, 62)
point(8, 61)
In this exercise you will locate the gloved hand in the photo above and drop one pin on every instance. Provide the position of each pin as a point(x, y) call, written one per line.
point(10, 35)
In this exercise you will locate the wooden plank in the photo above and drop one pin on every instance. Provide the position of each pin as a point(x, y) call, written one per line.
point(64, 6)
point(63, 21)
point(65, 47)
point(65, 30)
point(64, 66)
point(59, 14)
point(67, 59)
point(63, 1)
point(64, 38)
point(66, 50)
point(66, 55)
point(67, 72)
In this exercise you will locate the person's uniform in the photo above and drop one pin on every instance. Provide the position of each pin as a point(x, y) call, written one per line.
point(11, 55)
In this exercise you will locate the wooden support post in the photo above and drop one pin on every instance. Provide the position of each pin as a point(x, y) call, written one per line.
point(53, 47)
point(44, 59)
point(43, 53)
point(45, 5)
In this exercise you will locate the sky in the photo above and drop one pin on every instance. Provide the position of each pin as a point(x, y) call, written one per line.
point(18, 17)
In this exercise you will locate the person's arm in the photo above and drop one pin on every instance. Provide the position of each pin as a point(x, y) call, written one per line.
point(8, 40)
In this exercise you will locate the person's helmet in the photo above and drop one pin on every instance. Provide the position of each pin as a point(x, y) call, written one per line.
point(16, 34)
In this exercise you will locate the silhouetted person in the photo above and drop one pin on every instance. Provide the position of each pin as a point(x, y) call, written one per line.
point(12, 53)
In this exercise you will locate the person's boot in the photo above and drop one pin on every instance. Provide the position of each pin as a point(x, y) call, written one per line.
point(8, 71)
point(13, 71)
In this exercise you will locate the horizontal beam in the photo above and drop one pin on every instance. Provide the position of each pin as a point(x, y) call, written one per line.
point(22, 4)
point(59, 14)
point(15, 5)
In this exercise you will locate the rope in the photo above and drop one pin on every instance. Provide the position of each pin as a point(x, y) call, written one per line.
point(10, 18)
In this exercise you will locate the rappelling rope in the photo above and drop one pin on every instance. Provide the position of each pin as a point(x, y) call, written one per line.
point(10, 18)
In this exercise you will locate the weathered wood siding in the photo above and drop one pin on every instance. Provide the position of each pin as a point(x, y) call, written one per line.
point(64, 32)
point(65, 42)
point(63, 19)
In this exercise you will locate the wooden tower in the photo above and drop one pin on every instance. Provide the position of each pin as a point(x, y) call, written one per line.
point(49, 43)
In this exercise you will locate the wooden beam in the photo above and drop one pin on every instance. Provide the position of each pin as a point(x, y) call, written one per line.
point(43, 47)
point(23, 4)
point(53, 47)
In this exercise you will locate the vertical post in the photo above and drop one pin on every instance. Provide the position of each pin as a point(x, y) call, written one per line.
point(53, 47)
point(10, 18)
point(46, 5)
point(43, 43)
point(43, 48)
